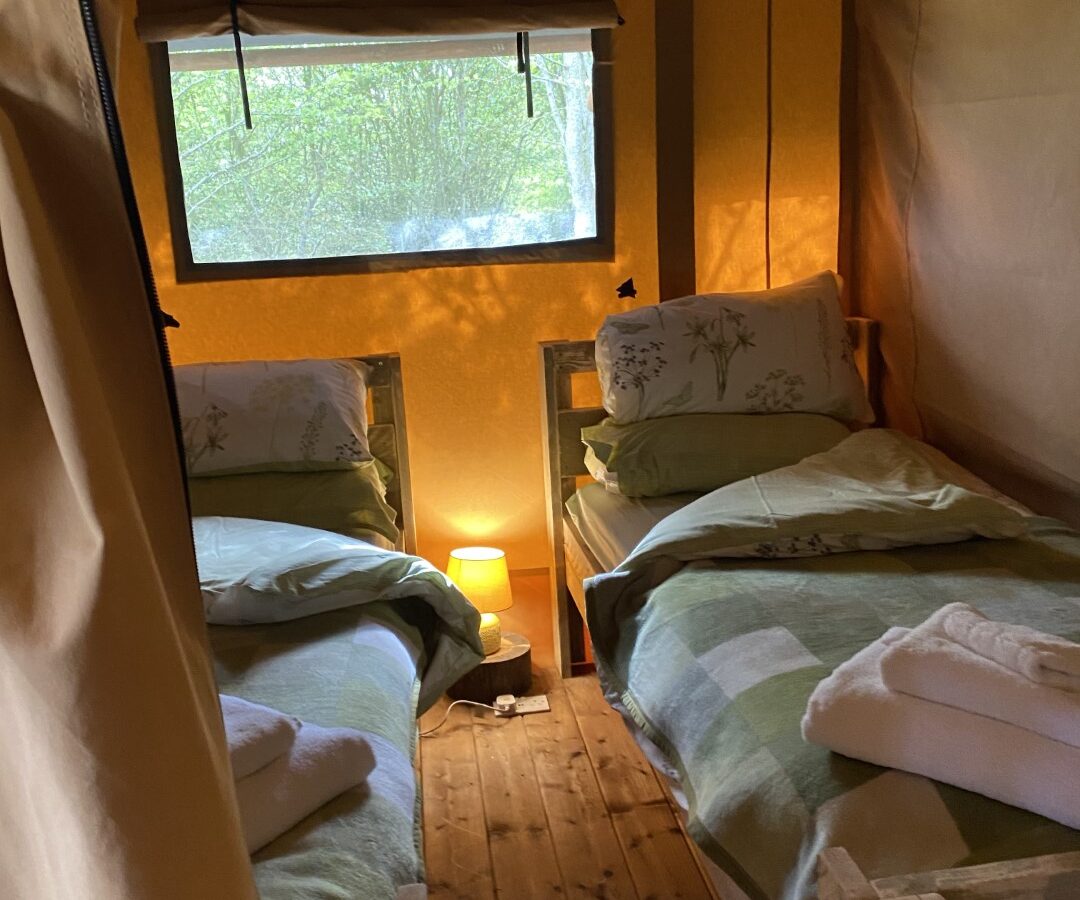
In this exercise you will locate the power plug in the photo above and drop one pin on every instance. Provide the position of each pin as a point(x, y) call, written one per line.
point(505, 705)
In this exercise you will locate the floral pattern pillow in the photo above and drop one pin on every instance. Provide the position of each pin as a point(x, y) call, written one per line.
point(273, 416)
point(783, 350)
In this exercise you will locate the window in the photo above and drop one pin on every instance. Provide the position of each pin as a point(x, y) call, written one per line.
point(371, 154)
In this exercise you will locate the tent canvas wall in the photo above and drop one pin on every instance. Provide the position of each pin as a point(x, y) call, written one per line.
point(116, 781)
point(965, 192)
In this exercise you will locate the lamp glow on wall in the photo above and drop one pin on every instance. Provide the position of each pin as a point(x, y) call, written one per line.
point(482, 575)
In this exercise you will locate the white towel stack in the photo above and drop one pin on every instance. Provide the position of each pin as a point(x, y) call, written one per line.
point(257, 735)
point(286, 769)
point(987, 706)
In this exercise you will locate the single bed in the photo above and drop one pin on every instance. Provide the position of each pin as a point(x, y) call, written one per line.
point(372, 667)
point(711, 664)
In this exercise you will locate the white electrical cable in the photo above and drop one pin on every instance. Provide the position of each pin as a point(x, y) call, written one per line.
point(446, 715)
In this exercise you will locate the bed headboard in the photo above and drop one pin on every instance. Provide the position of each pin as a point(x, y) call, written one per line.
point(389, 439)
point(564, 453)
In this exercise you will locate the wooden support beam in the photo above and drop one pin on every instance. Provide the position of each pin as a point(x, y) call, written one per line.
point(677, 253)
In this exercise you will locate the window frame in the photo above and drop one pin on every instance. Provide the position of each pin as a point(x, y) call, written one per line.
point(600, 248)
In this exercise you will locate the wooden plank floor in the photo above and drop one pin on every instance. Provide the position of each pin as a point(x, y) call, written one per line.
point(559, 804)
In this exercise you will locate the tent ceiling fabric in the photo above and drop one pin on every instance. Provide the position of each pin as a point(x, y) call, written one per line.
point(965, 247)
point(166, 20)
point(116, 781)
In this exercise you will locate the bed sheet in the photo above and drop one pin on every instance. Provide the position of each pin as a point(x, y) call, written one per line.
point(612, 525)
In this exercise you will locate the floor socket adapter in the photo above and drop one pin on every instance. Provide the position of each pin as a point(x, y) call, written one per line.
point(508, 705)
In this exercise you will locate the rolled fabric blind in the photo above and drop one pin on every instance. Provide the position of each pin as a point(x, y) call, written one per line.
point(167, 20)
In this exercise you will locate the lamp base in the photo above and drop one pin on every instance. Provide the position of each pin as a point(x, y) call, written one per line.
point(509, 671)
point(490, 633)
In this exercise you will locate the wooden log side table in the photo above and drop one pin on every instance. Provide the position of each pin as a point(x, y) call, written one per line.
point(506, 671)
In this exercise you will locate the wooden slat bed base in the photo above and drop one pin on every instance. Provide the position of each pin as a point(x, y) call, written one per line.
point(564, 457)
point(1035, 878)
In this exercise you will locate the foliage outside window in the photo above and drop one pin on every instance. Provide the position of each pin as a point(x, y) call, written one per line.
point(386, 149)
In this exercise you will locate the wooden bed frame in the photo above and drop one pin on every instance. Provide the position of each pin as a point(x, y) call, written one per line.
point(564, 465)
point(1035, 878)
point(389, 440)
point(840, 878)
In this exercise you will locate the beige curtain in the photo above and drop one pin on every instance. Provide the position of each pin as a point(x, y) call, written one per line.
point(967, 216)
point(114, 781)
point(163, 20)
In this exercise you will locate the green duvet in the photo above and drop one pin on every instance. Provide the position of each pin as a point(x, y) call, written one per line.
point(714, 633)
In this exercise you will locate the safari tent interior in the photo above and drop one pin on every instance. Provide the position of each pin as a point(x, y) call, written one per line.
point(552, 448)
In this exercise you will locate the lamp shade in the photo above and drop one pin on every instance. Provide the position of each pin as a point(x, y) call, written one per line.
point(482, 576)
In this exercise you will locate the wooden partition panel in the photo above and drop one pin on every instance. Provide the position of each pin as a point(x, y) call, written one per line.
point(389, 440)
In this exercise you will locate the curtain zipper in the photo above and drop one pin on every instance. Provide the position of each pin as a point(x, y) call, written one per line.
point(138, 236)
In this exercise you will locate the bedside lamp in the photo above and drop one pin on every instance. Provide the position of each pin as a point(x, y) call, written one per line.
point(482, 575)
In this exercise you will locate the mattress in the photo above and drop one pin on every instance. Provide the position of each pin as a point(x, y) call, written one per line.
point(360, 668)
point(612, 525)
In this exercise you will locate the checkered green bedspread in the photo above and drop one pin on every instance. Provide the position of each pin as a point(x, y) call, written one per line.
point(715, 660)
point(718, 666)
point(358, 667)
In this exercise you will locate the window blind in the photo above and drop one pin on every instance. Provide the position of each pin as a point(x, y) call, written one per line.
point(164, 20)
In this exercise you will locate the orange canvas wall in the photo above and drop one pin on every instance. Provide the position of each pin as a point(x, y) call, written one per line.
point(730, 129)
point(468, 336)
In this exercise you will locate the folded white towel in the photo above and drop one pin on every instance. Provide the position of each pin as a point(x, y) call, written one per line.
point(929, 665)
point(322, 763)
point(257, 735)
point(1042, 657)
point(853, 713)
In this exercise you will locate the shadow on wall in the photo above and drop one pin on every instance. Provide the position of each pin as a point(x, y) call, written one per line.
point(733, 259)
point(467, 338)
point(468, 343)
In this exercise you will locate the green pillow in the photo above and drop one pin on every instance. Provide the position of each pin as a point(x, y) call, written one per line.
point(702, 452)
point(349, 501)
